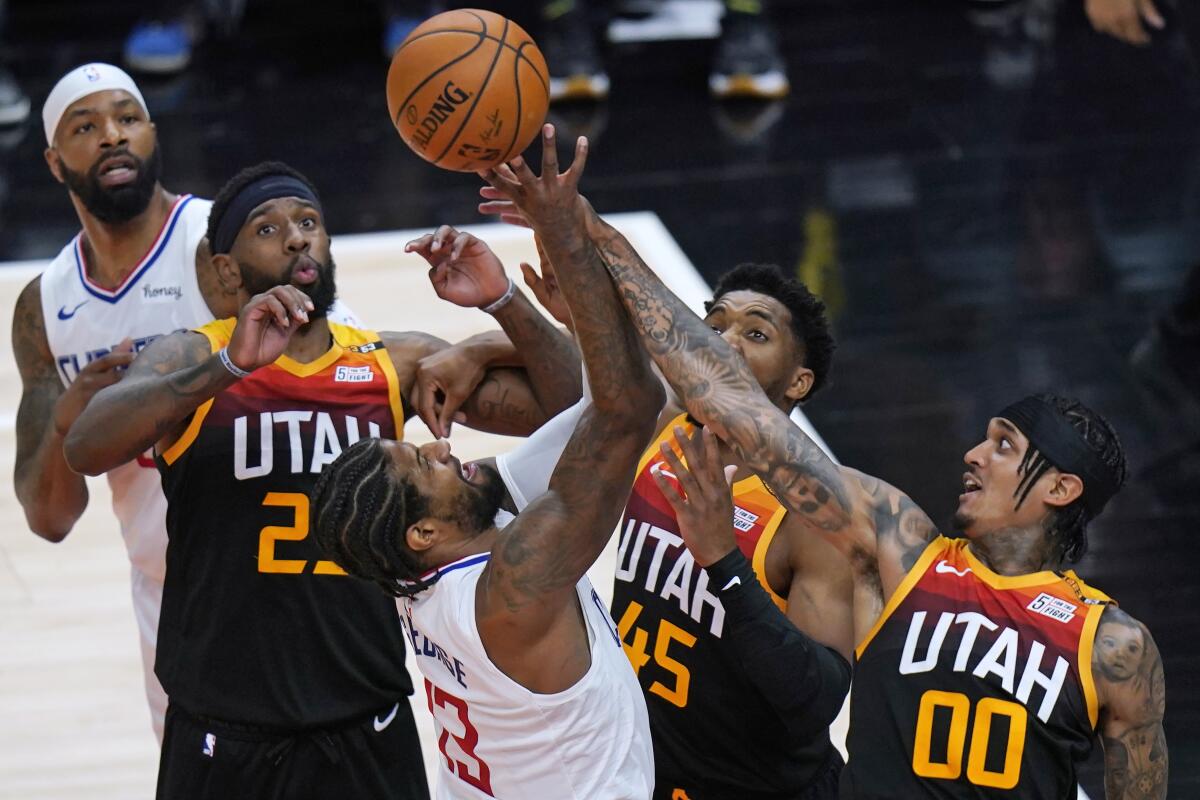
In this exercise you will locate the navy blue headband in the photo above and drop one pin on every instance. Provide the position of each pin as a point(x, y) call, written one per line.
point(1064, 447)
point(251, 197)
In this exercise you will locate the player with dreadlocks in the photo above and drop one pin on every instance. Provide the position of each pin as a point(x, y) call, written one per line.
point(523, 668)
point(984, 675)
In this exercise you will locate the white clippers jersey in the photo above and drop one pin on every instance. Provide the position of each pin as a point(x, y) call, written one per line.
point(497, 738)
point(85, 321)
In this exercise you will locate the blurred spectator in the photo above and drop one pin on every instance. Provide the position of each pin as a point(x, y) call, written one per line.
point(14, 103)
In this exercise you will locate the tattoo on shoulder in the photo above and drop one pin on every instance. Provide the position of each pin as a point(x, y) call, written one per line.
point(30, 345)
point(1128, 671)
point(898, 518)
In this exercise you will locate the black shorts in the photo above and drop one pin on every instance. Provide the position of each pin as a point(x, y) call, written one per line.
point(822, 787)
point(204, 758)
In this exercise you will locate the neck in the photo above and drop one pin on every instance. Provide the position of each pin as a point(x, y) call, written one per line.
point(1016, 551)
point(114, 249)
point(310, 342)
point(483, 543)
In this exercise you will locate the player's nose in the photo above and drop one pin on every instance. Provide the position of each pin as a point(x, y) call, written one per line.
point(437, 451)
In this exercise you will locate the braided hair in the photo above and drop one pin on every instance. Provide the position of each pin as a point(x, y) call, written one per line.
point(361, 510)
point(1069, 523)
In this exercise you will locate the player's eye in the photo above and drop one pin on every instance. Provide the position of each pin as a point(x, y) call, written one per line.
point(85, 127)
point(308, 222)
point(266, 230)
point(128, 119)
point(757, 335)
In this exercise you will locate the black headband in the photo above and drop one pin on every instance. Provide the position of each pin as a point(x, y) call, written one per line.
point(251, 197)
point(1064, 447)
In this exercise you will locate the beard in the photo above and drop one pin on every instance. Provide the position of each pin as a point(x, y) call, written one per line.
point(477, 511)
point(962, 521)
point(322, 293)
point(119, 203)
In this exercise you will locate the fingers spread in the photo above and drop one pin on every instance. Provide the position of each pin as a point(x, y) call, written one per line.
point(672, 493)
point(549, 152)
point(581, 153)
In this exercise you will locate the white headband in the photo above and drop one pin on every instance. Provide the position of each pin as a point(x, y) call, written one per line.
point(79, 83)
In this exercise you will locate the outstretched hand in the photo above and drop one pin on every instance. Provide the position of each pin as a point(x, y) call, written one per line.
point(1126, 20)
point(517, 196)
point(699, 494)
point(462, 268)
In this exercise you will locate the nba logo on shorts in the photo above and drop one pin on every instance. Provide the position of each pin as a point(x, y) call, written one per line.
point(92, 74)
point(210, 744)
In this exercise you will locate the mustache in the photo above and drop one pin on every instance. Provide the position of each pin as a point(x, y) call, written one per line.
point(123, 152)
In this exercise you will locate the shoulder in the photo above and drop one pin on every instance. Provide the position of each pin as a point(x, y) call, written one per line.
point(410, 345)
point(1127, 668)
point(29, 324)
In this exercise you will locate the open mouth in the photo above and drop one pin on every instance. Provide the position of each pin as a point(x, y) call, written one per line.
point(970, 484)
point(468, 470)
point(306, 272)
point(117, 171)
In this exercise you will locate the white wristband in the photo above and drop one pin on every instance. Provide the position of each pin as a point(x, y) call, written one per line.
point(227, 362)
point(492, 308)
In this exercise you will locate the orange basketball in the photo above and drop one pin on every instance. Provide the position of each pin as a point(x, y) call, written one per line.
point(468, 90)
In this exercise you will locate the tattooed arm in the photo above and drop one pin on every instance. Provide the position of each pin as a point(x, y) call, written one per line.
point(169, 380)
point(881, 529)
point(52, 495)
point(173, 376)
point(526, 607)
point(1128, 672)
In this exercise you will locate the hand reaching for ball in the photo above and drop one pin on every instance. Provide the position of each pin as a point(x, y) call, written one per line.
point(548, 203)
point(462, 268)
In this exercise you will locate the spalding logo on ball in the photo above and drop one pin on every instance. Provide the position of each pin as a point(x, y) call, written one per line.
point(468, 90)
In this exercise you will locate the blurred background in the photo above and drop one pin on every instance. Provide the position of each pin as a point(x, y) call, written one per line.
point(993, 198)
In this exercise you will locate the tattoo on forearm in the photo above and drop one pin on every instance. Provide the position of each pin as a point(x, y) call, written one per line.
point(720, 390)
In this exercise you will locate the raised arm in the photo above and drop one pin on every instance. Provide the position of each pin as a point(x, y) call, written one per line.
point(465, 271)
point(52, 495)
point(881, 529)
point(529, 583)
point(173, 376)
point(1128, 672)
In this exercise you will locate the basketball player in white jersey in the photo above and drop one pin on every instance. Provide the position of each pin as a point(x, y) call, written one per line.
point(524, 673)
point(138, 269)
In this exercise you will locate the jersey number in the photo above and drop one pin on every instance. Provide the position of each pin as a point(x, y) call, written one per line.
point(480, 776)
point(296, 532)
point(959, 706)
point(636, 652)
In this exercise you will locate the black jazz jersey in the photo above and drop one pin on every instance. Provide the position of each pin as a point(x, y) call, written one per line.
point(974, 685)
point(715, 735)
point(256, 626)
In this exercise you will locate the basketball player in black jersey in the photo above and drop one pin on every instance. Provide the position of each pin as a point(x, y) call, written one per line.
point(1046, 467)
point(730, 715)
point(286, 676)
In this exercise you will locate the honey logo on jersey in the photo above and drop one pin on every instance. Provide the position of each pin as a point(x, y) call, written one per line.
point(344, 374)
point(1053, 607)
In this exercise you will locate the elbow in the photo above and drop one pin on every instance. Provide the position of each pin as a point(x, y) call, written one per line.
point(49, 525)
point(79, 457)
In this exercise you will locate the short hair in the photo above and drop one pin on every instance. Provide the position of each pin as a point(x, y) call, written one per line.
point(360, 510)
point(810, 322)
point(1069, 524)
point(240, 181)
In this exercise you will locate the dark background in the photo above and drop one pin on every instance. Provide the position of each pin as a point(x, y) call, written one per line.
point(992, 199)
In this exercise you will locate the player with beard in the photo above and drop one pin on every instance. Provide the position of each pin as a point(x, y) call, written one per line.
point(524, 673)
point(139, 269)
point(284, 674)
point(985, 674)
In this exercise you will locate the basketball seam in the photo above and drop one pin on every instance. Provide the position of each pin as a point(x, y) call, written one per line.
point(441, 69)
point(517, 91)
point(486, 36)
point(478, 94)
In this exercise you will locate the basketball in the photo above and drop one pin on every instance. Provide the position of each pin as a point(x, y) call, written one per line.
point(467, 90)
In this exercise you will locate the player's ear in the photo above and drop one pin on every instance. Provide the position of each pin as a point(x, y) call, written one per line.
point(801, 384)
point(1065, 489)
point(54, 163)
point(422, 534)
point(229, 274)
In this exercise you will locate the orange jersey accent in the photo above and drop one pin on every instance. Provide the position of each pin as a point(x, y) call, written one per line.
point(972, 683)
